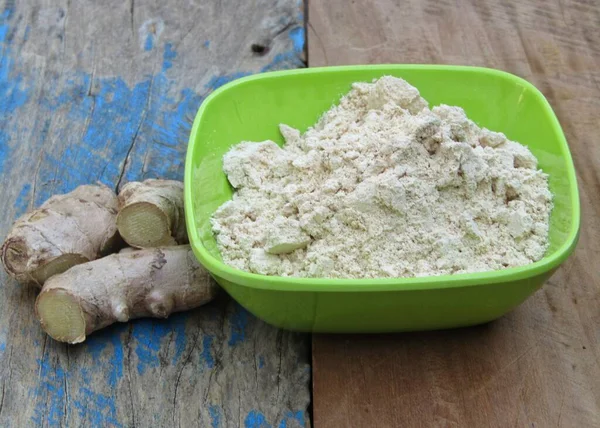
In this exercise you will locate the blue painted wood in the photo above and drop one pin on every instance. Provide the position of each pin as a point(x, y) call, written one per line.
point(107, 92)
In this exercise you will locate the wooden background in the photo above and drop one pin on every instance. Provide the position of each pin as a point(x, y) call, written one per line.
point(106, 91)
point(540, 365)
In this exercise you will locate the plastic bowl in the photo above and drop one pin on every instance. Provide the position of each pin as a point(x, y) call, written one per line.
point(251, 109)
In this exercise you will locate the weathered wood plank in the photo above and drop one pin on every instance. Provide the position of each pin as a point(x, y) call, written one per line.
point(539, 365)
point(106, 91)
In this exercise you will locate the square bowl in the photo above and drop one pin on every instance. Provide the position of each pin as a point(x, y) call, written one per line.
point(251, 109)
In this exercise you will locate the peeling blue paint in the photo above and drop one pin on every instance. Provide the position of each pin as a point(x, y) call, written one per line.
point(256, 419)
point(148, 334)
point(99, 409)
point(117, 115)
point(85, 376)
point(51, 386)
point(23, 199)
point(300, 4)
point(207, 357)
point(215, 416)
point(116, 361)
point(168, 56)
point(9, 9)
point(13, 94)
point(2, 347)
point(298, 38)
point(97, 344)
point(284, 61)
point(5, 149)
point(293, 416)
point(217, 81)
point(113, 116)
point(261, 362)
point(206, 44)
point(178, 322)
point(238, 324)
point(149, 43)
point(167, 137)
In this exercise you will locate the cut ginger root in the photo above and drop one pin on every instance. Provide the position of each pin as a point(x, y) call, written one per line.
point(132, 284)
point(151, 213)
point(65, 231)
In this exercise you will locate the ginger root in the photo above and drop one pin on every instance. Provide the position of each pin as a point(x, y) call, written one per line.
point(132, 284)
point(151, 213)
point(65, 231)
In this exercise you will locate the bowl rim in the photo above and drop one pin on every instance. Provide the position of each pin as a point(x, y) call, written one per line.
point(280, 283)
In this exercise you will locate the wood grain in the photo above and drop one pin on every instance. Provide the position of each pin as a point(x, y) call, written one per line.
point(538, 366)
point(106, 91)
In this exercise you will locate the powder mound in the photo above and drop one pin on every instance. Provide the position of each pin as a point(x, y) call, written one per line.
point(383, 186)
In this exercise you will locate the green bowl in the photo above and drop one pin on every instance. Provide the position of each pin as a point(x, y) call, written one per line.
point(251, 109)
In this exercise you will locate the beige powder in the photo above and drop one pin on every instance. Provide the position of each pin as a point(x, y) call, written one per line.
point(382, 186)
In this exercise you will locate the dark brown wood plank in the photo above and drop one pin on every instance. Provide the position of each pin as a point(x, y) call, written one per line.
point(538, 366)
point(106, 91)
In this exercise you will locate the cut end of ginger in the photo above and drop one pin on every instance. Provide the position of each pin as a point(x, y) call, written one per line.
point(144, 225)
point(61, 316)
point(14, 256)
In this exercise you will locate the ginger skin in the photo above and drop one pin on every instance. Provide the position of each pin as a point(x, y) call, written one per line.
point(132, 284)
point(65, 231)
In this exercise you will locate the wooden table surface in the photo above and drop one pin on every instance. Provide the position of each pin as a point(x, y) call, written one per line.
point(538, 366)
point(106, 91)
